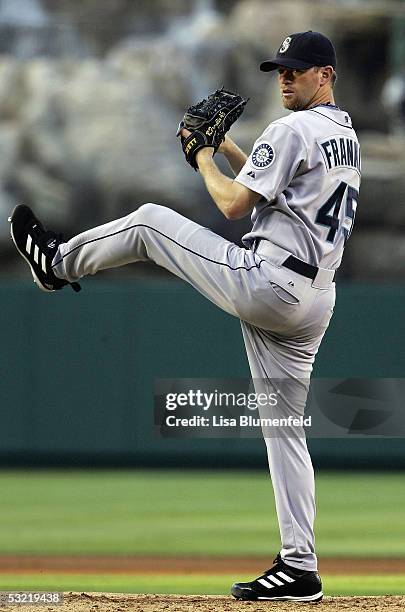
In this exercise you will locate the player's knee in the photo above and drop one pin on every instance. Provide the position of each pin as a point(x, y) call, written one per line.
point(148, 211)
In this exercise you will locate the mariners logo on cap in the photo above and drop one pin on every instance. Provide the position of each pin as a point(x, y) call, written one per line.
point(285, 44)
point(263, 155)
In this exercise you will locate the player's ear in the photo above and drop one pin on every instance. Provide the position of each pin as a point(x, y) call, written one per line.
point(326, 74)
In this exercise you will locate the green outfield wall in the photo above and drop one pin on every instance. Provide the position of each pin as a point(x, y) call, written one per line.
point(78, 370)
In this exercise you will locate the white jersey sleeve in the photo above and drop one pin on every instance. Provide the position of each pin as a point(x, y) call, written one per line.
point(273, 162)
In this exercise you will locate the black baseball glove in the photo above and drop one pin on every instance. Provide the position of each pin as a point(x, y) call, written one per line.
point(208, 121)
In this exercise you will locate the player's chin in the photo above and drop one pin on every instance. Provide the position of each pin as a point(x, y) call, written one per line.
point(289, 106)
point(292, 104)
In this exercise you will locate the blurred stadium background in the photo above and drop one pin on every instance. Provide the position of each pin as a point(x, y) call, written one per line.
point(90, 97)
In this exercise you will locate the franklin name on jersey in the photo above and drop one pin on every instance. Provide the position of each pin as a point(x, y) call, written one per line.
point(339, 152)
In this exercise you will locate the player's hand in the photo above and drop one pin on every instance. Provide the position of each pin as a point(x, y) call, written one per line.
point(202, 153)
point(184, 132)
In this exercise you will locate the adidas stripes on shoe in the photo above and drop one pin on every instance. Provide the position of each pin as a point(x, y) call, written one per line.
point(282, 582)
point(38, 247)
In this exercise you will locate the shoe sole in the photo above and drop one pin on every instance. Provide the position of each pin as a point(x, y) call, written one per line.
point(35, 277)
point(250, 595)
point(308, 598)
point(311, 598)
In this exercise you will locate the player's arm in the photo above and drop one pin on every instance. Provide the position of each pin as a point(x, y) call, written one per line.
point(233, 199)
point(234, 155)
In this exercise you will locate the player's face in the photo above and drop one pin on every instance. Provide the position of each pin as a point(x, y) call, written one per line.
point(298, 87)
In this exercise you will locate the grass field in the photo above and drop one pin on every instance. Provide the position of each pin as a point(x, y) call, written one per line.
point(195, 584)
point(188, 513)
point(215, 513)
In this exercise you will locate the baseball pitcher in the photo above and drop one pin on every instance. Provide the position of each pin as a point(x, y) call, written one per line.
point(300, 183)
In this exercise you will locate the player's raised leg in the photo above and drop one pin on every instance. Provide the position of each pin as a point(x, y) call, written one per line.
point(223, 272)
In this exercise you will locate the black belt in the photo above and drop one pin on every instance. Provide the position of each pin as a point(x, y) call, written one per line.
point(305, 269)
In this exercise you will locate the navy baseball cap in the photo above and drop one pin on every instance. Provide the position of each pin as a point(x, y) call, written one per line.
point(303, 50)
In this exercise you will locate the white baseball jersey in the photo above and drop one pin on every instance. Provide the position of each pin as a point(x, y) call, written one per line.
point(307, 168)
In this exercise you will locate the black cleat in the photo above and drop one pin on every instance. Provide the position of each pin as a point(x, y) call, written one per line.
point(38, 247)
point(281, 583)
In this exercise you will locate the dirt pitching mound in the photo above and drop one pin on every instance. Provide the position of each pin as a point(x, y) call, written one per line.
point(114, 602)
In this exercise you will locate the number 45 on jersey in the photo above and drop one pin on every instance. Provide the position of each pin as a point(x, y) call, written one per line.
point(328, 214)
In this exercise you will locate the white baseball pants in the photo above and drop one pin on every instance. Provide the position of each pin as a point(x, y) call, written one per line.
point(283, 317)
